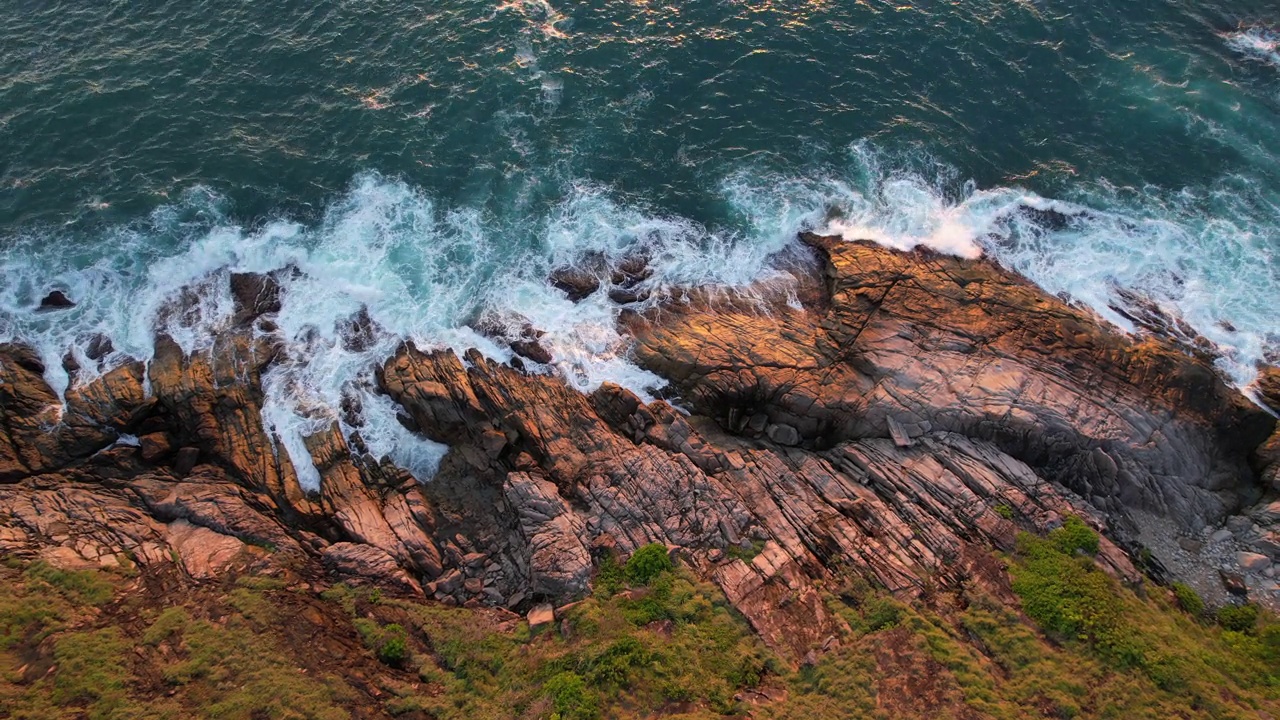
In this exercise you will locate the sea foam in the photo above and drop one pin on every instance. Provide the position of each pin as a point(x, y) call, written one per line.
point(1257, 43)
point(428, 274)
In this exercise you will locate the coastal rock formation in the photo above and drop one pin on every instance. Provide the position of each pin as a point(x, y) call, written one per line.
point(916, 412)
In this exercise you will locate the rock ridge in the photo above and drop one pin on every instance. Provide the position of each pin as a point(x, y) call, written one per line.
point(912, 414)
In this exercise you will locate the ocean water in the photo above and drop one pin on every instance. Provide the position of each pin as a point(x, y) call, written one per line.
point(429, 163)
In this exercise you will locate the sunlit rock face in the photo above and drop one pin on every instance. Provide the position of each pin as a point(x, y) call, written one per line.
point(907, 415)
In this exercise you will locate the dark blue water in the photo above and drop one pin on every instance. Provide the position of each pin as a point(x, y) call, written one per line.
point(431, 161)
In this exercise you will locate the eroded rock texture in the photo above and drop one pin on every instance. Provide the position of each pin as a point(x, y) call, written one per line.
point(917, 412)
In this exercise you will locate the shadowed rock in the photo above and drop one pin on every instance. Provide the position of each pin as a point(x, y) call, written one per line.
point(916, 412)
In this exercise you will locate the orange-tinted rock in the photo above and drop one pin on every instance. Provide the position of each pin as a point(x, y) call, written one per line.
point(876, 430)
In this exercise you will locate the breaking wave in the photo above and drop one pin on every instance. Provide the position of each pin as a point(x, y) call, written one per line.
point(431, 274)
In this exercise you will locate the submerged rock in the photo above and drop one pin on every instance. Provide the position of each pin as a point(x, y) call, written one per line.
point(56, 300)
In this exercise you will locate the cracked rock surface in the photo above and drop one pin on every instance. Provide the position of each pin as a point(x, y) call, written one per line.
point(915, 412)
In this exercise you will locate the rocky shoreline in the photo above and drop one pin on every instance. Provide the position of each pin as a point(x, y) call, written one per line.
point(895, 417)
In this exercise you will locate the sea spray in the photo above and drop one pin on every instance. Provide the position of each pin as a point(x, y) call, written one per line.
point(387, 263)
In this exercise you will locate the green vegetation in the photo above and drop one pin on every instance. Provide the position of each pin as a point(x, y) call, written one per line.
point(653, 641)
point(1240, 618)
point(1188, 599)
point(647, 563)
point(669, 639)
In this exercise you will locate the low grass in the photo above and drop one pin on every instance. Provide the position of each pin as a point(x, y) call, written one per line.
point(652, 641)
point(628, 652)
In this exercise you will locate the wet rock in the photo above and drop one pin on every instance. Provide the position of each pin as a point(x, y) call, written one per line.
point(254, 295)
point(533, 350)
point(56, 300)
point(358, 332)
point(628, 295)
point(574, 282)
point(1049, 219)
point(99, 347)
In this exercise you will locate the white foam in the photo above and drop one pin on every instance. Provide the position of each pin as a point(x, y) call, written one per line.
point(1257, 43)
point(426, 274)
point(1204, 256)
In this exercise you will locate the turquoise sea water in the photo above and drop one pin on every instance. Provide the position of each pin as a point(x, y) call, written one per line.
point(430, 161)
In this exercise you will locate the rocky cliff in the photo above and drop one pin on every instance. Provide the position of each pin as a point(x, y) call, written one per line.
point(893, 416)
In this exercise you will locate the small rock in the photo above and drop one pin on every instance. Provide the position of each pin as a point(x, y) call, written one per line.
point(532, 350)
point(1190, 545)
point(783, 434)
point(254, 295)
point(186, 460)
point(541, 616)
point(1239, 525)
point(493, 443)
point(358, 332)
point(473, 586)
point(99, 347)
point(449, 582)
point(474, 560)
point(626, 296)
point(1270, 571)
point(898, 433)
point(155, 446)
point(56, 300)
point(575, 283)
point(1233, 583)
point(1220, 535)
point(1252, 562)
point(1268, 545)
point(1268, 513)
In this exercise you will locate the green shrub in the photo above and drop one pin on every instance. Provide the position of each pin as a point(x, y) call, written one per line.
point(881, 613)
point(1075, 535)
point(1068, 596)
point(392, 643)
point(614, 666)
point(1004, 511)
point(647, 563)
point(1240, 618)
point(394, 651)
point(610, 577)
point(1188, 599)
point(570, 697)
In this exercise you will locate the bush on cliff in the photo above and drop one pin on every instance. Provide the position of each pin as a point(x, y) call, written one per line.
point(1069, 597)
point(1188, 599)
point(1238, 618)
point(647, 563)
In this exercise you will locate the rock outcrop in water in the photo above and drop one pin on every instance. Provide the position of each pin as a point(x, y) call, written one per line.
point(915, 413)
